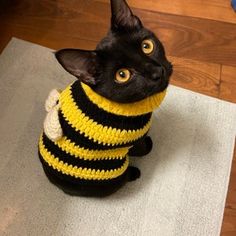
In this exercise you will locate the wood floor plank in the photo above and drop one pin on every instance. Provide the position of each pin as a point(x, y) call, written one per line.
point(228, 84)
point(57, 17)
point(55, 40)
point(219, 10)
point(193, 38)
point(186, 37)
point(197, 76)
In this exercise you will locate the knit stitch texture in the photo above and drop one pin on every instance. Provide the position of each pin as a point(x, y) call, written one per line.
point(87, 137)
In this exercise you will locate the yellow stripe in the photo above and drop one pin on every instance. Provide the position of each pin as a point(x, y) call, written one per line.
point(69, 147)
point(78, 172)
point(144, 106)
point(91, 129)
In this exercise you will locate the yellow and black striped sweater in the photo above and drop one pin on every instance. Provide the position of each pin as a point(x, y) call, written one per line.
point(97, 134)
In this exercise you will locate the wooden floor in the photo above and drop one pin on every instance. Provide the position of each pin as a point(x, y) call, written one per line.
point(199, 36)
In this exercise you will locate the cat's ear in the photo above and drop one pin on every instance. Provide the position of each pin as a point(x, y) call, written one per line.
point(79, 63)
point(122, 16)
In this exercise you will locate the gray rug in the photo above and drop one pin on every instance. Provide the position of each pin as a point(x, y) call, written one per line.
point(184, 180)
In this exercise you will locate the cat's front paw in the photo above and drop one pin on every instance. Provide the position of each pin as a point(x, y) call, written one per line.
point(142, 148)
point(133, 173)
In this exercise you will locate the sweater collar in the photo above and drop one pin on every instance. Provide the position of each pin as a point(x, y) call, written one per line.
point(144, 106)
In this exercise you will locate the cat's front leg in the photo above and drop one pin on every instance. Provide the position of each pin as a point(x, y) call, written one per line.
point(142, 148)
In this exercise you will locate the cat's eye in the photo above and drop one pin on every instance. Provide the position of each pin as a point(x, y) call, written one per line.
point(147, 46)
point(123, 75)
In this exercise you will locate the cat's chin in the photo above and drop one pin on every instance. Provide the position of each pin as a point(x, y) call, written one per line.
point(145, 94)
point(158, 89)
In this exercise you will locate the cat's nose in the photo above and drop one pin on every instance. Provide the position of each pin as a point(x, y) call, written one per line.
point(158, 73)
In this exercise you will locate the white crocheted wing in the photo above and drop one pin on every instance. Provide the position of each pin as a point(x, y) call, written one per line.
point(52, 100)
point(52, 126)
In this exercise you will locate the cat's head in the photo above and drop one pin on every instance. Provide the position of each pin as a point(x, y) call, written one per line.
point(128, 65)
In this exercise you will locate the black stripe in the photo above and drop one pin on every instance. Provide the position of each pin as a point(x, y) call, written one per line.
point(103, 117)
point(71, 160)
point(76, 180)
point(82, 141)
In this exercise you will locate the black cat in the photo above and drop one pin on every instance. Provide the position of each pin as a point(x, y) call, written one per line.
point(127, 68)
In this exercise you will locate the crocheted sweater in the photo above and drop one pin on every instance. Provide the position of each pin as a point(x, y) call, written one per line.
point(96, 134)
